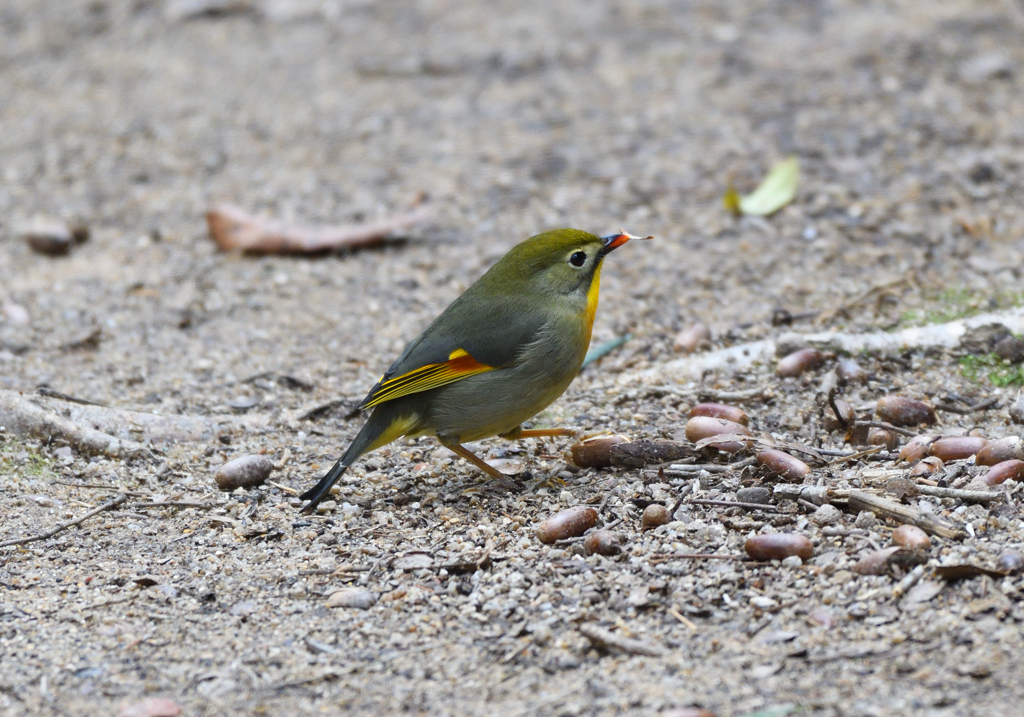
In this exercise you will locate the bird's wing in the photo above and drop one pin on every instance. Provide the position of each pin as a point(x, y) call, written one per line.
point(446, 352)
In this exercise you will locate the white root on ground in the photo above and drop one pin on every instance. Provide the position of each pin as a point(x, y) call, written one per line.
point(108, 431)
point(744, 356)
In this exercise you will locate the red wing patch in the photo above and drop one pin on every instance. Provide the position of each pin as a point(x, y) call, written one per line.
point(458, 366)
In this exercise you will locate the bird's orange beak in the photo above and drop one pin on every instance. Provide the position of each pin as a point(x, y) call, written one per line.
point(614, 241)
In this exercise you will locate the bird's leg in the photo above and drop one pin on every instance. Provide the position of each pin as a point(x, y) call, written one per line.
point(475, 460)
point(520, 432)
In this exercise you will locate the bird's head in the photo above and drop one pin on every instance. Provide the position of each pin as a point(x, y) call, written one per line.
point(561, 262)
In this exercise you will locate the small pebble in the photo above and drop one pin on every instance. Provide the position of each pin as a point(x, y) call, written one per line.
point(826, 514)
point(1011, 561)
point(875, 562)
point(242, 403)
point(793, 561)
point(849, 371)
point(244, 472)
point(360, 598)
point(754, 494)
point(865, 520)
point(1017, 409)
point(48, 236)
point(693, 337)
point(152, 707)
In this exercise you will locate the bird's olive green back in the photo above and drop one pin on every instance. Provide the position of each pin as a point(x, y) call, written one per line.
point(503, 311)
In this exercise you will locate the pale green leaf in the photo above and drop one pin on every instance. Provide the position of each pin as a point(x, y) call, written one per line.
point(776, 191)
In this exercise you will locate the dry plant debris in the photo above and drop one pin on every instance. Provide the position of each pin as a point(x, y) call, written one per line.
point(232, 228)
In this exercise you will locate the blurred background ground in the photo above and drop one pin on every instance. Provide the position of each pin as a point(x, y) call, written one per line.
point(515, 117)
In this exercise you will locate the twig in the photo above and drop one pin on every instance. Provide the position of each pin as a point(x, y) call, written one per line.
point(609, 640)
point(751, 394)
point(662, 557)
point(741, 357)
point(904, 514)
point(968, 496)
point(176, 504)
point(855, 456)
point(733, 504)
point(50, 393)
point(888, 427)
point(835, 408)
point(286, 489)
point(233, 228)
point(118, 500)
point(321, 409)
point(910, 580)
point(988, 403)
point(687, 468)
point(682, 618)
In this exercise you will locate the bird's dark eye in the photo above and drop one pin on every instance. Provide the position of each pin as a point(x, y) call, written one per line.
point(578, 259)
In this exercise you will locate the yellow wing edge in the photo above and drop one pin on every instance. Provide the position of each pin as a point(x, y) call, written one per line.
point(458, 366)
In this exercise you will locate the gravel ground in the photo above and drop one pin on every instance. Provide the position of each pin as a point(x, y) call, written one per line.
point(515, 117)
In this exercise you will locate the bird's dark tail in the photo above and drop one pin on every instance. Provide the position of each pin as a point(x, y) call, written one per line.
point(382, 427)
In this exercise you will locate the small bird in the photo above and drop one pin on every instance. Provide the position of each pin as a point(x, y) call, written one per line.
point(498, 355)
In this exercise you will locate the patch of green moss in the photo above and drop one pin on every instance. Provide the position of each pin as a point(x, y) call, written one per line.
point(33, 463)
point(998, 372)
point(958, 303)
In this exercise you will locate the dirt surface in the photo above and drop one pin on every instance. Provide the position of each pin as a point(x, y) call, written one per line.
point(515, 117)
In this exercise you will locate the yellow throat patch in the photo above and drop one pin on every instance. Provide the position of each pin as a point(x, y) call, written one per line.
point(592, 293)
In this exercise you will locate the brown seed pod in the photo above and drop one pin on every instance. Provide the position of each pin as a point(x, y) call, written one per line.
point(783, 465)
point(570, 523)
point(954, 448)
point(846, 414)
point(595, 452)
point(911, 537)
point(799, 361)
point(603, 542)
point(693, 337)
point(1010, 561)
point(244, 472)
point(720, 410)
point(654, 515)
point(777, 546)
point(849, 371)
point(903, 411)
point(916, 448)
point(876, 562)
point(1002, 472)
point(883, 437)
point(926, 467)
point(47, 236)
point(999, 450)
